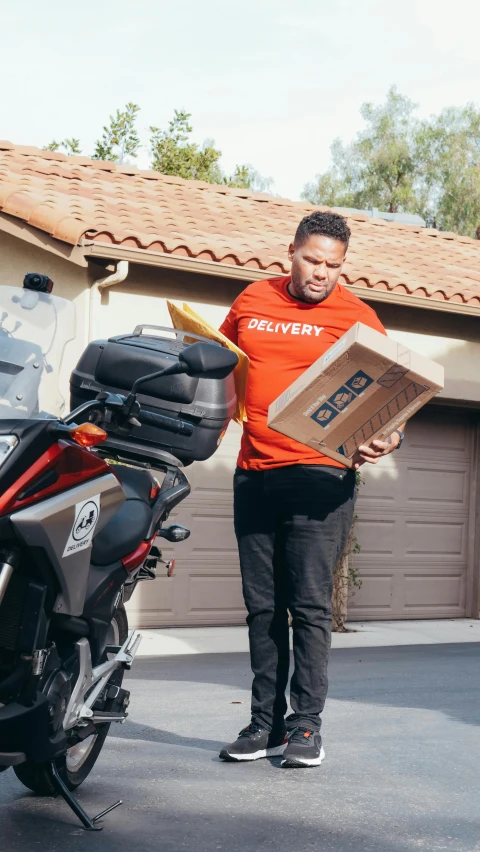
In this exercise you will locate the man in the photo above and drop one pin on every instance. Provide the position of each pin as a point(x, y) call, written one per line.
point(293, 507)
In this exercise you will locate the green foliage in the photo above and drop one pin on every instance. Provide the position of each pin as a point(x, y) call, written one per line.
point(173, 153)
point(449, 150)
point(378, 168)
point(399, 163)
point(120, 138)
point(70, 146)
point(246, 177)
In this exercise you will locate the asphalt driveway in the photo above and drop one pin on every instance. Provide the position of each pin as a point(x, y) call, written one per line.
point(401, 733)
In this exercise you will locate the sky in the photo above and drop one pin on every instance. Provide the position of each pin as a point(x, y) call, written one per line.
point(272, 82)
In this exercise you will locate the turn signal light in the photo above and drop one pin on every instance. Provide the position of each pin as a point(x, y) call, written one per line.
point(155, 489)
point(88, 435)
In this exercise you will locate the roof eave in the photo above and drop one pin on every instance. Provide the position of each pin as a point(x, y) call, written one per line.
point(17, 228)
point(111, 251)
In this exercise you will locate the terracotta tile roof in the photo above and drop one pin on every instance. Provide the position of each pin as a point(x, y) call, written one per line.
point(72, 198)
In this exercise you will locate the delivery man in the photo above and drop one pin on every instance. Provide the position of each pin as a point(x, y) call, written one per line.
point(293, 507)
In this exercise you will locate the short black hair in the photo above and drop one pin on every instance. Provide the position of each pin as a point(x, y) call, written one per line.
point(325, 224)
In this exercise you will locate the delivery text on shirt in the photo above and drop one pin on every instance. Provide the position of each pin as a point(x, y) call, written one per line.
point(285, 327)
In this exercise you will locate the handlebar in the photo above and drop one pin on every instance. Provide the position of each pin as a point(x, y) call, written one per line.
point(116, 403)
point(180, 427)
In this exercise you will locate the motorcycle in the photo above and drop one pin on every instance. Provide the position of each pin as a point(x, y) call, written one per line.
point(77, 534)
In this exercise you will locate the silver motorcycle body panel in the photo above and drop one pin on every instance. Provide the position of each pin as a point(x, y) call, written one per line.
point(62, 526)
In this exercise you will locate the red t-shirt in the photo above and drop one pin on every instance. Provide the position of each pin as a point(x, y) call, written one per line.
point(283, 337)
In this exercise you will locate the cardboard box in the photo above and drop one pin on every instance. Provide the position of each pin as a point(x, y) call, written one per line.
point(364, 387)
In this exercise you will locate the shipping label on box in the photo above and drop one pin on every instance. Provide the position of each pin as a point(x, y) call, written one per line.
point(364, 387)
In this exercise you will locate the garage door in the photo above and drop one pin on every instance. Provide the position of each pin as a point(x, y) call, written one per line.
point(413, 529)
point(413, 523)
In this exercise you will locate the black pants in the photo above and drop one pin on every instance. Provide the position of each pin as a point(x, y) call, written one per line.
point(291, 524)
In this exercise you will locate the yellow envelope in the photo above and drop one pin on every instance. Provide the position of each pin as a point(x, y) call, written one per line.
point(186, 319)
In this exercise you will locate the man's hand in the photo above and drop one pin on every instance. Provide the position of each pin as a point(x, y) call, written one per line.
point(375, 451)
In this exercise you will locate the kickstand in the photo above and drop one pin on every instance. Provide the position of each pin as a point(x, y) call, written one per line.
point(67, 795)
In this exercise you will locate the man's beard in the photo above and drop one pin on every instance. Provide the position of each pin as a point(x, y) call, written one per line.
point(302, 292)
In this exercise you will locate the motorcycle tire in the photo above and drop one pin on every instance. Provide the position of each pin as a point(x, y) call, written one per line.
point(36, 776)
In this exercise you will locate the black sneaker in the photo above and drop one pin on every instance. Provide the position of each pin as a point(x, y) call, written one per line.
point(304, 749)
point(254, 742)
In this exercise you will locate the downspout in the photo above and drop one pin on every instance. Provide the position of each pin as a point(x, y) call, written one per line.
point(97, 288)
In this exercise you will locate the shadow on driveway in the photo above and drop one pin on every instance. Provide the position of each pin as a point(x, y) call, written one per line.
point(441, 678)
point(148, 829)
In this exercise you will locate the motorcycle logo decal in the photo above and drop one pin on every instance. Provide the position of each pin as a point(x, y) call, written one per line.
point(86, 517)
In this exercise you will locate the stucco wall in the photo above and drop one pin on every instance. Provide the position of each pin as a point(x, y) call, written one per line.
point(451, 339)
point(142, 298)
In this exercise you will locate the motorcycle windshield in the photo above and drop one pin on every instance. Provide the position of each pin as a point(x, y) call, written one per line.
point(34, 331)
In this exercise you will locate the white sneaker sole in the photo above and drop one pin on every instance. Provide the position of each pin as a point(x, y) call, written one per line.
point(304, 761)
point(256, 755)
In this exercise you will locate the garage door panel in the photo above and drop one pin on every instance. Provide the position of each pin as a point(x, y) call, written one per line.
point(211, 592)
point(418, 592)
point(439, 538)
point(217, 479)
point(432, 485)
point(408, 538)
point(212, 533)
point(414, 485)
point(435, 590)
point(375, 593)
point(381, 484)
point(375, 537)
point(432, 432)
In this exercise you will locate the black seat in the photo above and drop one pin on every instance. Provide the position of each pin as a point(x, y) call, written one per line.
point(129, 527)
point(137, 484)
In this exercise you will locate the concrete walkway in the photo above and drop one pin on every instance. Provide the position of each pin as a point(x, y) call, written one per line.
point(370, 634)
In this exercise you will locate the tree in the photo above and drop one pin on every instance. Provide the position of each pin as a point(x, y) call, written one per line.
point(71, 146)
point(174, 153)
point(399, 163)
point(120, 138)
point(246, 177)
point(449, 150)
point(377, 169)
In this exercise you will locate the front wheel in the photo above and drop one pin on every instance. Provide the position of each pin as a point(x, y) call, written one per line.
point(76, 764)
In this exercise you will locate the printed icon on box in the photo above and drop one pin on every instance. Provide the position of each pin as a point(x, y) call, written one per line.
point(341, 398)
point(324, 415)
point(359, 382)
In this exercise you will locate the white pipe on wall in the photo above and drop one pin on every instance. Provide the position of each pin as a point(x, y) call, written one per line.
point(96, 289)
